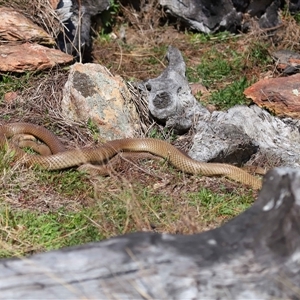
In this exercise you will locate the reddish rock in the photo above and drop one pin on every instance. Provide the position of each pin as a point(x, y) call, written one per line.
point(30, 57)
point(54, 3)
point(16, 27)
point(279, 95)
point(198, 88)
point(10, 97)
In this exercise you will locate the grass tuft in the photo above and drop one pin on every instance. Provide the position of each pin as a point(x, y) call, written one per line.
point(232, 94)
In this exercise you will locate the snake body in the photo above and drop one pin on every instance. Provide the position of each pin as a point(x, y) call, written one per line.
point(62, 158)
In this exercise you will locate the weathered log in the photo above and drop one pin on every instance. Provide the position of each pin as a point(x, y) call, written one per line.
point(212, 16)
point(254, 256)
point(276, 139)
point(170, 99)
point(205, 16)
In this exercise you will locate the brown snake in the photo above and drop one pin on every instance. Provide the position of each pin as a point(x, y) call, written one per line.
point(62, 158)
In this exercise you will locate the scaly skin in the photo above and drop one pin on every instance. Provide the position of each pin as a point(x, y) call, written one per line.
point(62, 159)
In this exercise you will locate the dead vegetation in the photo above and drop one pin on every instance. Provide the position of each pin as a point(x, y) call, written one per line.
point(39, 11)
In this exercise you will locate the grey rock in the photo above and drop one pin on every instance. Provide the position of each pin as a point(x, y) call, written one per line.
point(93, 93)
point(212, 16)
point(294, 5)
point(232, 136)
point(288, 59)
point(270, 17)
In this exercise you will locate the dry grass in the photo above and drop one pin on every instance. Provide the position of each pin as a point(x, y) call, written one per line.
point(39, 11)
point(40, 103)
point(144, 18)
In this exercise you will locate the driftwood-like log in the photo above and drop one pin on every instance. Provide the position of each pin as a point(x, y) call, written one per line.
point(170, 99)
point(212, 16)
point(254, 256)
point(276, 139)
point(203, 15)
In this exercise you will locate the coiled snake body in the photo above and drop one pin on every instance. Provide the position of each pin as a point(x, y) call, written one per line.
point(62, 159)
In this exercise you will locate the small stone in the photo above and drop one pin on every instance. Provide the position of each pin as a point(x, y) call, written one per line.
point(10, 97)
point(287, 61)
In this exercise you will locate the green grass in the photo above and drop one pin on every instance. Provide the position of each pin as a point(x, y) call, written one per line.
point(232, 94)
point(226, 205)
point(23, 232)
point(66, 182)
point(258, 56)
point(28, 230)
point(225, 72)
point(11, 83)
point(297, 17)
point(93, 128)
point(200, 38)
point(216, 66)
point(222, 72)
point(165, 134)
